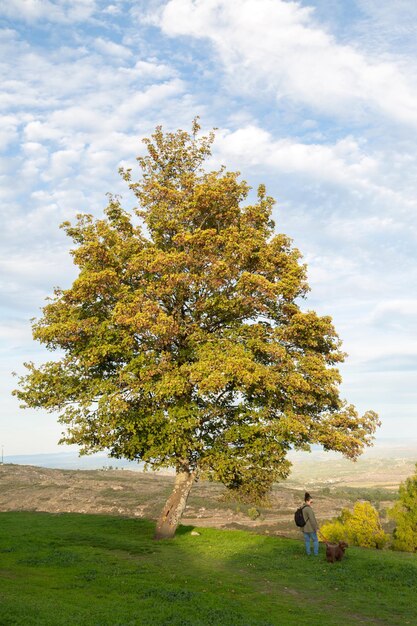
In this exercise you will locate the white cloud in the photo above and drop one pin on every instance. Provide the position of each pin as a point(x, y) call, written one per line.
point(62, 163)
point(27, 278)
point(39, 131)
point(149, 69)
point(8, 129)
point(397, 308)
point(388, 25)
point(276, 46)
point(361, 228)
point(12, 332)
point(342, 163)
point(151, 96)
point(77, 101)
point(112, 49)
point(80, 117)
point(57, 11)
point(112, 9)
point(73, 120)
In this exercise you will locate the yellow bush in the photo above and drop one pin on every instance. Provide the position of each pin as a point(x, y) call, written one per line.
point(332, 532)
point(360, 527)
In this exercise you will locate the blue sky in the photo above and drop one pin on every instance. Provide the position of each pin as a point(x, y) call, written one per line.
point(316, 99)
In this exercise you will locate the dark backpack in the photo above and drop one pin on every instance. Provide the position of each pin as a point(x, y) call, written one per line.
point(299, 517)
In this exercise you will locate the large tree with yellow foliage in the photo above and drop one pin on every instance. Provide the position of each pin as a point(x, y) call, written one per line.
point(182, 343)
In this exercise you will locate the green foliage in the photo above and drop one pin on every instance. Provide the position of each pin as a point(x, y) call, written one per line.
point(360, 527)
point(181, 343)
point(253, 513)
point(375, 495)
point(404, 513)
point(84, 569)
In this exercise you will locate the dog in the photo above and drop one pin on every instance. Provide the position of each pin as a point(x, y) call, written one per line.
point(335, 551)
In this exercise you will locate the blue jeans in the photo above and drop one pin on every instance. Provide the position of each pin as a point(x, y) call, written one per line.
point(313, 536)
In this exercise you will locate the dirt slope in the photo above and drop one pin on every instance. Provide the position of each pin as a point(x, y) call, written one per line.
point(123, 492)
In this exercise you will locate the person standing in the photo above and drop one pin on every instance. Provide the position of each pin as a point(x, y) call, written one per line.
point(311, 527)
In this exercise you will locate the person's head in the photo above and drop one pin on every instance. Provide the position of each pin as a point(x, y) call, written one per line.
point(307, 498)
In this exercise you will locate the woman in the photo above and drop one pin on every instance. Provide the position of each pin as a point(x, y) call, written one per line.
point(311, 527)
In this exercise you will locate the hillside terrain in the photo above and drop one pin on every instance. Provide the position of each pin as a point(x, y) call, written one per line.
point(335, 484)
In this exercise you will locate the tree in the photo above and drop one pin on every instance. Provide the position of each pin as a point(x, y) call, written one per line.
point(404, 512)
point(360, 527)
point(183, 343)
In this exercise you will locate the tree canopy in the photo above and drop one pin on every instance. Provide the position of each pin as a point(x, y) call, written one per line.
point(182, 342)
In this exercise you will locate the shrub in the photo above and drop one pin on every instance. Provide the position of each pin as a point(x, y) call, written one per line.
point(360, 527)
point(333, 532)
point(253, 513)
point(404, 513)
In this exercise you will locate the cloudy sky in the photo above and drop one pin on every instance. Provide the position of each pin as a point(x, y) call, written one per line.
point(317, 99)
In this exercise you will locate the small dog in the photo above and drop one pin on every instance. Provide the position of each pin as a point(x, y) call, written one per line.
point(335, 551)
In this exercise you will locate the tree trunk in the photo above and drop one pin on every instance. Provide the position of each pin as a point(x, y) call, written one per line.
point(175, 505)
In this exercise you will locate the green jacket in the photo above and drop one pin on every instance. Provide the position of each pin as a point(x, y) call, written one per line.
point(311, 525)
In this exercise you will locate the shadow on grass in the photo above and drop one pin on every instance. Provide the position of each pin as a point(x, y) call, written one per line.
point(184, 530)
point(108, 571)
point(282, 585)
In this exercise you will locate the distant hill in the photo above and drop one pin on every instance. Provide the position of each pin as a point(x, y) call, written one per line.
point(71, 460)
point(383, 449)
point(334, 482)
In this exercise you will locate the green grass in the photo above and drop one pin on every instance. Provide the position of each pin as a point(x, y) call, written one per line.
point(73, 569)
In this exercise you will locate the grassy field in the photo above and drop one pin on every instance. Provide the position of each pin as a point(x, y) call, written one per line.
point(105, 570)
